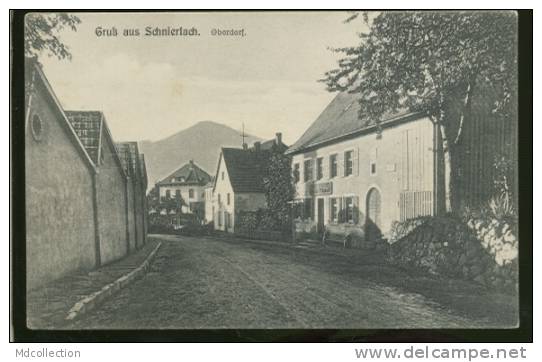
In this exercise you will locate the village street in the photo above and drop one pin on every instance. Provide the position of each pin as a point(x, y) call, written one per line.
point(198, 282)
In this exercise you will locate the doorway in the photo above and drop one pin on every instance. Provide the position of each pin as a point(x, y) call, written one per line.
point(320, 223)
point(373, 223)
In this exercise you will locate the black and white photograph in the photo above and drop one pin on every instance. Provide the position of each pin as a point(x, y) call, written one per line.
point(270, 170)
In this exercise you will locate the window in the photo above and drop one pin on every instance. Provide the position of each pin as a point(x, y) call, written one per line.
point(37, 127)
point(348, 163)
point(296, 173)
point(219, 216)
point(219, 199)
point(222, 175)
point(228, 198)
point(332, 166)
point(168, 194)
point(191, 193)
point(307, 209)
point(334, 209)
point(319, 168)
point(372, 164)
point(177, 194)
point(307, 172)
point(349, 209)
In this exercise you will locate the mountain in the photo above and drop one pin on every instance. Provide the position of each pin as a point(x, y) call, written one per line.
point(200, 142)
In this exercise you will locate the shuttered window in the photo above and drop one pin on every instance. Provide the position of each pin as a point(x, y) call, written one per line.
point(307, 171)
point(348, 163)
point(332, 166)
point(319, 168)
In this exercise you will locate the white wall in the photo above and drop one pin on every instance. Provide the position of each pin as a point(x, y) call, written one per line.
point(395, 172)
point(199, 192)
point(223, 188)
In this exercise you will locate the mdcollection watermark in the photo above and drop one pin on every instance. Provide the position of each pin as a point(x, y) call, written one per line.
point(47, 353)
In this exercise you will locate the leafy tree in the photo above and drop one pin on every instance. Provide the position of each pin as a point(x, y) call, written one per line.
point(427, 61)
point(41, 33)
point(279, 188)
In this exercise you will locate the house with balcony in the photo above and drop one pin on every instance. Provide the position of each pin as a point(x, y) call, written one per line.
point(186, 185)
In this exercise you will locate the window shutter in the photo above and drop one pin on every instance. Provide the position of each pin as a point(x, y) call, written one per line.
point(356, 209)
point(355, 162)
point(340, 164)
point(340, 217)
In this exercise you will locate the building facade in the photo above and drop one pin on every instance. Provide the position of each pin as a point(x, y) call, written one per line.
point(187, 186)
point(238, 183)
point(364, 175)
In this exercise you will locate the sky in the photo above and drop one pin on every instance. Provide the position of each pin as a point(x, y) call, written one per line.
point(152, 87)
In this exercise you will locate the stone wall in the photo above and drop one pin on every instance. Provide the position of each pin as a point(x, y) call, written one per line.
point(484, 251)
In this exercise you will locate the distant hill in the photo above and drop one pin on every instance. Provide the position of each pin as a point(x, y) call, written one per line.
point(201, 143)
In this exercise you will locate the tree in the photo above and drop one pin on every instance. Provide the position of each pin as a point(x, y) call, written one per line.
point(426, 61)
point(279, 189)
point(41, 33)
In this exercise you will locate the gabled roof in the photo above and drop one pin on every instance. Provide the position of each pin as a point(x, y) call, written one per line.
point(35, 75)
point(129, 158)
point(245, 168)
point(88, 127)
point(340, 119)
point(188, 174)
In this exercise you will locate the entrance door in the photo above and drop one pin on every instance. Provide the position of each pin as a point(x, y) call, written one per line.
point(372, 225)
point(320, 224)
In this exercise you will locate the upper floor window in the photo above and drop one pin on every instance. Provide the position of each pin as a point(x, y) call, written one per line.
point(372, 164)
point(228, 198)
point(296, 172)
point(348, 163)
point(191, 193)
point(222, 175)
point(332, 166)
point(307, 172)
point(219, 199)
point(319, 168)
point(168, 194)
point(177, 194)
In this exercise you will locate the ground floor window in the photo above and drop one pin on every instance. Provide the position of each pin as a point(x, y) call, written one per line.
point(349, 209)
point(304, 209)
point(308, 209)
point(343, 209)
point(334, 210)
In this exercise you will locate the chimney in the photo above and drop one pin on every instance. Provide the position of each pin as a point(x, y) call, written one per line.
point(245, 146)
point(257, 146)
point(278, 139)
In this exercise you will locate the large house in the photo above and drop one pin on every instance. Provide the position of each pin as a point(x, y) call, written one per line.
point(238, 184)
point(363, 174)
point(77, 208)
point(187, 183)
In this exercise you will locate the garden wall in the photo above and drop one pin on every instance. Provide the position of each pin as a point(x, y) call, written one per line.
point(482, 250)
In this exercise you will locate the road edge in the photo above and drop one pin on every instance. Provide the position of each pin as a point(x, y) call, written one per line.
point(90, 301)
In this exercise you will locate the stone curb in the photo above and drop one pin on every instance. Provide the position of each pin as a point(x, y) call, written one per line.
point(92, 300)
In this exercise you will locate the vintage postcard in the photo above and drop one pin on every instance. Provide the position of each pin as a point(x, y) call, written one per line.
point(271, 170)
